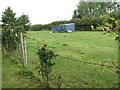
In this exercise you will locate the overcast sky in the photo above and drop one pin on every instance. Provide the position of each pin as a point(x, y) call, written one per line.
point(41, 11)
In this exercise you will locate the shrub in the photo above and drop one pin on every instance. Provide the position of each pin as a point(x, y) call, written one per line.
point(45, 57)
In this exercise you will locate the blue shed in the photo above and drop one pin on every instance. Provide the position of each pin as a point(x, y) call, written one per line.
point(70, 27)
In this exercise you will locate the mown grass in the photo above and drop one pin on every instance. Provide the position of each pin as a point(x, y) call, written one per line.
point(81, 46)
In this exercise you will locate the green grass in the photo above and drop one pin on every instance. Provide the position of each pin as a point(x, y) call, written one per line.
point(11, 77)
point(82, 46)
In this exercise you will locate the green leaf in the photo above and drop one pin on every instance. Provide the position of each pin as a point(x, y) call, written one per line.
point(92, 27)
point(102, 26)
point(99, 28)
point(112, 18)
point(107, 24)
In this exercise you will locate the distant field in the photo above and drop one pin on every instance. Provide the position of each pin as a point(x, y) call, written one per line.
point(81, 55)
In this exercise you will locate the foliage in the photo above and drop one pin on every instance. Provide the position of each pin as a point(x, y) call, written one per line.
point(11, 29)
point(114, 15)
point(113, 28)
point(45, 57)
point(10, 37)
point(93, 13)
point(24, 21)
point(86, 8)
point(37, 27)
point(85, 23)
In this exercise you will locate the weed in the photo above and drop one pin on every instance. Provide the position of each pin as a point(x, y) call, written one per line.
point(25, 73)
point(65, 36)
point(64, 44)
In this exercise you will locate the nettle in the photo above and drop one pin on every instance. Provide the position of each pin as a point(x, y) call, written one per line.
point(45, 60)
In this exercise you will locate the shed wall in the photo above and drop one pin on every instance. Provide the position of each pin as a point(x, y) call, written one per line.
point(64, 27)
point(70, 27)
point(55, 28)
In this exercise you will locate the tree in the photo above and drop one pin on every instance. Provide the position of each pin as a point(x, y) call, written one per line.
point(24, 21)
point(11, 29)
point(9, 23)
point(86, 8)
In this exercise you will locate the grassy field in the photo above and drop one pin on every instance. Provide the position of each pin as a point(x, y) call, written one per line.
point(79, 62)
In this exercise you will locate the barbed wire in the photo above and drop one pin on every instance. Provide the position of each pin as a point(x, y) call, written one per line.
point(89, 62)
point(92, 50)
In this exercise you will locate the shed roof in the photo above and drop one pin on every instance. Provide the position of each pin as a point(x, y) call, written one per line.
point(67, 24)
point(63, 24)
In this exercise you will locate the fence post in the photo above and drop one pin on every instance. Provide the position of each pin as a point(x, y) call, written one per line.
point(25, 54)
point(22, 45)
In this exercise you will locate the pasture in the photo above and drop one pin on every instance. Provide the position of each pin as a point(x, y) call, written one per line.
point(81, 55)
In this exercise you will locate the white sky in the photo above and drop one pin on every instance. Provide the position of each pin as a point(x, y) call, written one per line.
point(41, 11)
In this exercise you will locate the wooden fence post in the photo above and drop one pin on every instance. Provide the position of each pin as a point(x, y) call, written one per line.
point(22, 45)
point(25, 54)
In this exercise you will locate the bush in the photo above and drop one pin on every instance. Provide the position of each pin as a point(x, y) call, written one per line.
point(40, 27)
point(45, 68)
point(36, 27)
